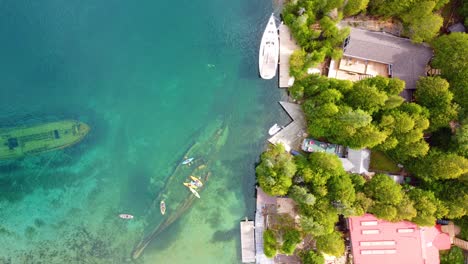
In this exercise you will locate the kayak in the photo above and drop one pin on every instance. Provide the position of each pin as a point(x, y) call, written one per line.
point(187, 161)
point(190, 185)
point(126, 216)
point(162, 207)
point(194, 192)
point(197, 181)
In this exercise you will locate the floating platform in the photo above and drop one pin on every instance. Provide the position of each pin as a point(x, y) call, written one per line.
point(247, 241)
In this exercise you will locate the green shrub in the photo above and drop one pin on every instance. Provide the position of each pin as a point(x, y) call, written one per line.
point(453, 256)
point(269, 243)
point(290, 240)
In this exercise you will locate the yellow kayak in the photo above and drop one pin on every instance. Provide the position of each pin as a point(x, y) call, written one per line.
point(190, 185)
point(197, 181)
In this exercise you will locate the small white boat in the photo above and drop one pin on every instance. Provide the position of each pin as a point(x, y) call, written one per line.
point(187, 161)
point(274, 129)
point(126, 216)
point(269, 50)
point(162, 207)
point(194, 192)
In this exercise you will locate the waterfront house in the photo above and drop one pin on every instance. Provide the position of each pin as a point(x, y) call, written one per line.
point(377, 241)
point(368, 54)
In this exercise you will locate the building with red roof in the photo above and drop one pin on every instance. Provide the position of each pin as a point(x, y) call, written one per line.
point(377, 241)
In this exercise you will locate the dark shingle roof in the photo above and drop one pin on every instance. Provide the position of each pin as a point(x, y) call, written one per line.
point(408, 60)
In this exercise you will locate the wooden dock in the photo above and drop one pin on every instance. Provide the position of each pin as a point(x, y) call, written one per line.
point(294, 133)
point(287, 46)
point(247, 241)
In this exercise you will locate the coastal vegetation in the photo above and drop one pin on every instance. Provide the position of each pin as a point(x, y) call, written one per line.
point(426, 138)
point(452, 256)
point(370, 114)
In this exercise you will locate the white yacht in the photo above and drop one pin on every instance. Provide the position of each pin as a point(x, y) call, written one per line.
point(269, 50)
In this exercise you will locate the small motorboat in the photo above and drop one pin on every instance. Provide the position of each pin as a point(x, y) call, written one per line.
point(126, 216)
point(197, 181)
point(191, 185)
point(274, 129)
point(187, 161)
point(162, 207)
point(194, 192)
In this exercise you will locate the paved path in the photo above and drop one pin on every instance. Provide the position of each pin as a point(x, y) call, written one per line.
point(287, 47)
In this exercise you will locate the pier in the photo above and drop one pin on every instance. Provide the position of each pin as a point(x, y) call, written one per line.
point(247, 241)
point(292, 135)
point(287, 46)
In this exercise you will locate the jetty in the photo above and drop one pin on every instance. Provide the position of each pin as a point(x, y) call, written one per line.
point(292, 135)
point(247, 241)
point(287, 46)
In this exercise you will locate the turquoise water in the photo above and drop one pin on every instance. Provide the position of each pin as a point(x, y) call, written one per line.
point(151, 79)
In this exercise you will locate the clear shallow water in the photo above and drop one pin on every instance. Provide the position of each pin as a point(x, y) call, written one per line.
point(150, 78)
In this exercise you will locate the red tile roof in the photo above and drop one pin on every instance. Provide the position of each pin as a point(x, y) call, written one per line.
point(378, 241)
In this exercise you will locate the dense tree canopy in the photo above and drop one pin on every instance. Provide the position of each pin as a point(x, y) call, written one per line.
point(451, 57)
point(270, 244)
point(331, 244)
point(316, 31)
point(428, 207)
point(433, 93)
point(421, 21)
point(439, 166)
point(290, 239)
point(353, 7)
point(461, 139)
point(275, 171)
point(389, 201)
point(311, 257)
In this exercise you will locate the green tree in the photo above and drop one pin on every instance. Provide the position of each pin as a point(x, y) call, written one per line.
point(451, 54)
point(318, 219)
point(452, 256)
point(433, 93)
point(427, 205)
point(331, 244)
point(421, 24)
point(453, 194)
point(297, 63)
point(461, 139)
point(451, 57)
point(290, 239)
point(386, 195)
point(301, 195)
point(353, 7)
point(439, 165)
point(405, 209)
point(270, 244)
point(395, 86)
point(365, 97)
point(312, 257)
point(275, 171)
point(341, 189)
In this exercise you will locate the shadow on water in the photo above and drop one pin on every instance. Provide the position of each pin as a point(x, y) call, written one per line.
point(167, 237)
point(225, 235)
point(137, 189)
